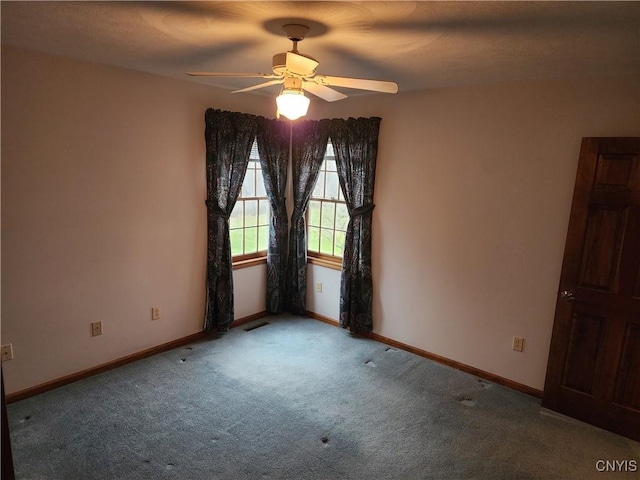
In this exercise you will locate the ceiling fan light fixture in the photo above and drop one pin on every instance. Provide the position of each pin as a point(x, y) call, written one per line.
point(292, 103)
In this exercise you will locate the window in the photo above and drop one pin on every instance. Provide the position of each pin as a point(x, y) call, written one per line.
point(327, 215)
point(249, 221)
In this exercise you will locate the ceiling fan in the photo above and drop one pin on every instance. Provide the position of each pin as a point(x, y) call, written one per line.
point(296, 72)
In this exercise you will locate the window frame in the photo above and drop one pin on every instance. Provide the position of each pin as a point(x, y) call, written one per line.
point(318, 257)
point(244, 259)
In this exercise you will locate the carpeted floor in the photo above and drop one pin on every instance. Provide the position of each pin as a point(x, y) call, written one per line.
point(299, 399)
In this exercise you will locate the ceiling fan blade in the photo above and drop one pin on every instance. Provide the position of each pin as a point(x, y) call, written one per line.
point(237, 75)
point(324, 92)
point(358, 83)
point(260, 85)
point(300, 64)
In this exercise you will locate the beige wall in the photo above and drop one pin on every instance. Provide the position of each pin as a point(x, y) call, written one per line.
point(473, 193)
point(103, 212)
point(326, 302)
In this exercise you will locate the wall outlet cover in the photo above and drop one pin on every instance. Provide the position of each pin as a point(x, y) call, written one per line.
point(96, 329)
point(6, 352)
point(518, 344)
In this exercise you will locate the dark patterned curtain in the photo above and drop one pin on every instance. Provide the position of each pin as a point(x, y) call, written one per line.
point(273, 145)
point(229, 137)
point(355, 143)
point(309, 143)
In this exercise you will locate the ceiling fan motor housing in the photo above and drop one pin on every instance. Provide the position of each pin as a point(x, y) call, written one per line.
point(296, 33)
point(279, 63)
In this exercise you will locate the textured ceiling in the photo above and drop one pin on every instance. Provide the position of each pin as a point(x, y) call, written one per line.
point(417, 44)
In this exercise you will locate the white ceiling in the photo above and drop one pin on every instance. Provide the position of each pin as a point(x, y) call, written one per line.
point(417, 44)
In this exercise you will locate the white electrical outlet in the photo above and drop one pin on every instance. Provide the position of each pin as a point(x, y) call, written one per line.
point(319, 287)
point(6, 352)
point(155, 313)
point(96, 329)
point(518, 344)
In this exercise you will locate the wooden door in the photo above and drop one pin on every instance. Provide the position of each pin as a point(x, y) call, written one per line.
point(594, 362)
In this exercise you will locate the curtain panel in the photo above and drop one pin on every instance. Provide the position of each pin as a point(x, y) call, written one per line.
point(273, 139)
point(309, 144)
point(229, 137)
point(355, 143)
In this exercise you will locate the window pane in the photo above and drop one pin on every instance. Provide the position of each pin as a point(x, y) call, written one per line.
point(235, 220)
point(254, 151)
point(318, 191)
point(339, 244)
point(342, 216)
point(250, 213)
point(326, 241)
point(249, 184)
point(236, 242)
point(328, 214)
point(263, 238)
point(314, 239)
point(329, 152)
point(250, 240)
point(314, 213)
point(264, 212)
point(332, 186)
point(331, 165)
point(260, 190)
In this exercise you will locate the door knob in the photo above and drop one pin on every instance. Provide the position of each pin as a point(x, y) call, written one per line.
point(567, 295)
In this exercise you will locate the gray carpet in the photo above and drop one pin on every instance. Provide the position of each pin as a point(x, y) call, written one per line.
point(299, 399)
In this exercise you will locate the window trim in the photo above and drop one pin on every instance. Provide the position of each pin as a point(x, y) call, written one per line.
point(324, 260)
point(239, 262)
